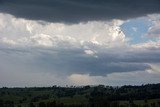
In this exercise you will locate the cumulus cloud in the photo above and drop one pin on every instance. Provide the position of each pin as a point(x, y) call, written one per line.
point(27, 32)
point(71, 11)
point(154, 30)
point(88, 50)
point(83, 48)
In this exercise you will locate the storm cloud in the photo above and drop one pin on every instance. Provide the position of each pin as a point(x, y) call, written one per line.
point(74, 11)
point(84, 48)
point(95, 52)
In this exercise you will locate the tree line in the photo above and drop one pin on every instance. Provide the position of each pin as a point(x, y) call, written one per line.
point(96, 96)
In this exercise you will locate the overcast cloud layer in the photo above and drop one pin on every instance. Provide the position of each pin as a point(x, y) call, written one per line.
point(71, 11)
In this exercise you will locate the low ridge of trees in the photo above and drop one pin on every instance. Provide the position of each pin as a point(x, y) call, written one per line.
point(87, 96)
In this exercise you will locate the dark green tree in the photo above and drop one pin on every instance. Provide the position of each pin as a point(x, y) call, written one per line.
point(41, 104)
point(31, 105)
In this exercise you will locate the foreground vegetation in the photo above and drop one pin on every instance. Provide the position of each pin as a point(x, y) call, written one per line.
point(87, 96)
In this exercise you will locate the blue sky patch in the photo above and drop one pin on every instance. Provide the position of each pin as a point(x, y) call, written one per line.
point(135, 29)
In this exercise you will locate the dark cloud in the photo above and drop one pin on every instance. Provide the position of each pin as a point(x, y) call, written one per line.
point(75, 61)
point(79, 10)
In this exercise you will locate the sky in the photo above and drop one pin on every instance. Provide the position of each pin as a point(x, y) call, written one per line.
point(79, 42)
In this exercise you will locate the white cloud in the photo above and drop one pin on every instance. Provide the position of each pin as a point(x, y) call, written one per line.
point(42, 40)
point(147, 45)
point(154, 30)
point(8, 41)
point(155, 69)
point(80, 79)
point(82, 53)
point(90, 52)
point(20, 31)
